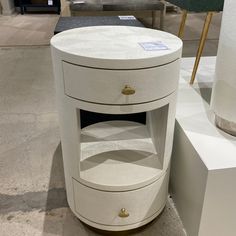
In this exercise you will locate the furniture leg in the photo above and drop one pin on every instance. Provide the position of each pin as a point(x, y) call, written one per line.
point(162, 16)
point(21, 7)
point(58, 10)
point(201, 45)
point(182, 24)
point(154, 19)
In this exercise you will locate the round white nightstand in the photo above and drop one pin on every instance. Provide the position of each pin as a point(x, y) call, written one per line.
point(116, 171)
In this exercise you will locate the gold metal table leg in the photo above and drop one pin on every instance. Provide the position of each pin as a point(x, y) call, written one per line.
point(182, 24)
point(201, 44)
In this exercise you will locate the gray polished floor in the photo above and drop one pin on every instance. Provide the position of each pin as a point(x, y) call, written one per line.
point(32, 191)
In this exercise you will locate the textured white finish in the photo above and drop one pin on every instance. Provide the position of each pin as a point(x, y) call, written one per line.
point(104, 207)
point(105, 86)
point(120, 147)
point(116, 164)
point(93, 47)
point(122, 227)
point(203, 170)
point(124, 109)
point(224, 89)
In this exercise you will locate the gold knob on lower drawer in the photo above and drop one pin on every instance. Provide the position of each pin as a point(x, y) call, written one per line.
point(123, 213)
point(127, 90)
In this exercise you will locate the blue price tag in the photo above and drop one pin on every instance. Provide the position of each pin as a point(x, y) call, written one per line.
point(153, 46)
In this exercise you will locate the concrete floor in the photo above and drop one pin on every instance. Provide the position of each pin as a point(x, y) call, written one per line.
point(32, 191)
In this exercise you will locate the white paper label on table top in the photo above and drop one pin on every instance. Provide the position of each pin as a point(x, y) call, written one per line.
point(78, 2)
point(153, 46)
point(127, 17)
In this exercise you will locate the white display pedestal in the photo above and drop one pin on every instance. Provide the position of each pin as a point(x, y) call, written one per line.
point(203, 169)
point(116, 171)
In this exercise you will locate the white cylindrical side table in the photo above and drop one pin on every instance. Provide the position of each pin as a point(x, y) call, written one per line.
point(116, 171)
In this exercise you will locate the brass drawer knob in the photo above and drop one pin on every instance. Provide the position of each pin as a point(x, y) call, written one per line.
point(127, 90)
point(123, 213)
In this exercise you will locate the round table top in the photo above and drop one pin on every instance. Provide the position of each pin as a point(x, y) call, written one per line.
point(117, 47)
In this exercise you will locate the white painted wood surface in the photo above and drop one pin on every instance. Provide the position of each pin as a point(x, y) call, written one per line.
point(105, 86)
point(118, 156)
point(203, 170)
point(104, 207)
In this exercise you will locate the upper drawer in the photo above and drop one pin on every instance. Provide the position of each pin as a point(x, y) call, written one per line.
point(105, 86)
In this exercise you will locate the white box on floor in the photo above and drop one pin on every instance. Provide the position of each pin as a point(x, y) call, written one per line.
point(203, 170)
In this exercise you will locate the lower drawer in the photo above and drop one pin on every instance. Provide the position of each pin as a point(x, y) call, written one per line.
point(104, 207)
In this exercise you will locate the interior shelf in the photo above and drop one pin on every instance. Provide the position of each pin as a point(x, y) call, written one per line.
point(118, 156)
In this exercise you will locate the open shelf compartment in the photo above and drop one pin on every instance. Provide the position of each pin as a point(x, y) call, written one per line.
point(118, 156)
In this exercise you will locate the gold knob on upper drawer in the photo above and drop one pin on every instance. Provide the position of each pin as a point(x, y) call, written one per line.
point(123, 213)
point(127, 90)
